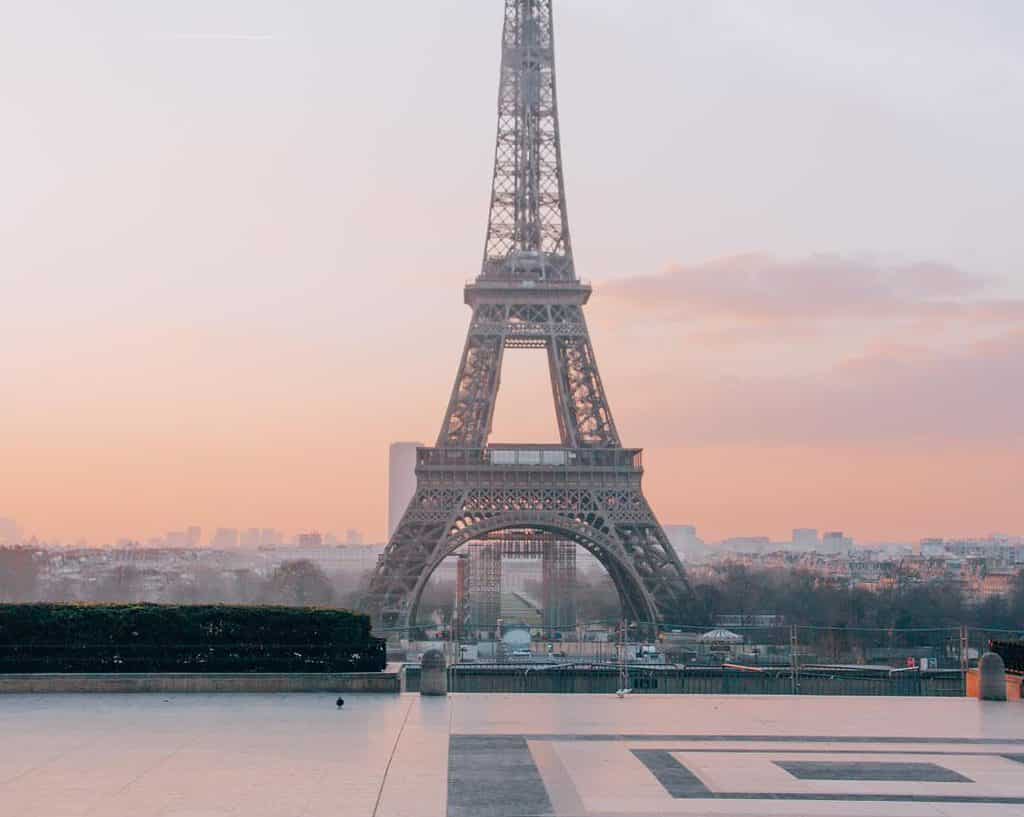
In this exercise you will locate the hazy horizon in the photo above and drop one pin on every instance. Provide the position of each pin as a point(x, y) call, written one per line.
point(233, 238)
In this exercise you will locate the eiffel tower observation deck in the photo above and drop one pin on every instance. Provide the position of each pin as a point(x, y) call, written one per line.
point(587, 489)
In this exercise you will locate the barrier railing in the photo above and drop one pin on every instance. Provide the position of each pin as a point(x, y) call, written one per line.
point(530, 456)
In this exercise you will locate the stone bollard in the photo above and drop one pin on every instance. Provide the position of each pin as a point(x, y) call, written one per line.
point(433, 674)
point(991, 677)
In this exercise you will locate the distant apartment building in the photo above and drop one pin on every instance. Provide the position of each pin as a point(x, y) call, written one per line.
point(685, 541)
point(353, 537)
point(193, 535)
point(401, 481)
point(996, 582)
point(225, 538)
point(748, 544)
point(309, 540)
point(805, 538)
point(933, 547)
point(834, 541)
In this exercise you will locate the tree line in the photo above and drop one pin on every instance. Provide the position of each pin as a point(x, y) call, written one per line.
point(797, 596)
point(297, 582)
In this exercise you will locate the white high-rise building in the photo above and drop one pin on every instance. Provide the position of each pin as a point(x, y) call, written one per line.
point(684, 539)
point(805, 538)
point(401, 481)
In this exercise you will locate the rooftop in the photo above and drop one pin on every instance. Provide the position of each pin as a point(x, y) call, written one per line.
point(508, 756)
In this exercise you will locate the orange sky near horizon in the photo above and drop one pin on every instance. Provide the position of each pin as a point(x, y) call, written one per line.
point(891, 494)
point(199, 430)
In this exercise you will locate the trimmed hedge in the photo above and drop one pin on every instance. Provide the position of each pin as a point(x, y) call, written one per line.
point(185, 638)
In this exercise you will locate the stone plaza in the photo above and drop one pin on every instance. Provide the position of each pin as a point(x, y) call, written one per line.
point(299, 755)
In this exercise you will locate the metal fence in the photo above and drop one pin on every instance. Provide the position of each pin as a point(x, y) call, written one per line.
point(702, 681)
point(692, 681)
point(754, 659)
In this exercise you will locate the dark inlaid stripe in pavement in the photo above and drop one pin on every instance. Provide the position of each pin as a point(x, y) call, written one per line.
point(677, 780)
point(734, 750)
point(494, 777)
point(871, 770)
point(633, 738)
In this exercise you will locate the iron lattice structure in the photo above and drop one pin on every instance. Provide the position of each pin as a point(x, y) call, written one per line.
point(588, 489)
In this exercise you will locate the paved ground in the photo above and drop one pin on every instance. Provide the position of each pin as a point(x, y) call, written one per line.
point(507, 756)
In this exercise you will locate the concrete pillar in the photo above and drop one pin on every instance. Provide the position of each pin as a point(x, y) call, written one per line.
point(991, 678)
point(433, 674)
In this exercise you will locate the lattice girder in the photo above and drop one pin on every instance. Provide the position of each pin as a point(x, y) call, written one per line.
point(528, 228)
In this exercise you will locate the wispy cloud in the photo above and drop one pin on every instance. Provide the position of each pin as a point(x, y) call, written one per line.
point(757, 287)
point(222, 35)
point(821, 350)
point(966, 395)
point(749, 299)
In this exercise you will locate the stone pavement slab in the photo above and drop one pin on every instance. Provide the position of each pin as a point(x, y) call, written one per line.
point(281, 755)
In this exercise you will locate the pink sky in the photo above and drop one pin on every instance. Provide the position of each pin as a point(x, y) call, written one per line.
point(232, 252)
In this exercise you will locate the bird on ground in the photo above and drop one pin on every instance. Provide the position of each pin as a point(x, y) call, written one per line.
point(340, 702)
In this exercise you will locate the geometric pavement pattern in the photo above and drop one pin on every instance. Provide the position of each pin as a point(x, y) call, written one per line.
point(578, 775)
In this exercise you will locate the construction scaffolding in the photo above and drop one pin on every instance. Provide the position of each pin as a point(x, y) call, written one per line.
point(482, 585)
point(558, 566)
point(479, 581)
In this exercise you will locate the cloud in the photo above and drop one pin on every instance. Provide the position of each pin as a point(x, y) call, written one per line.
point(760, 289)
point(889, 396)
point(827, 349)
point(213, 36)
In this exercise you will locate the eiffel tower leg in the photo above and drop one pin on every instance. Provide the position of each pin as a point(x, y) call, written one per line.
point(471, 407)
point(650, 552)
point(440, 520)
point(411, 556)
point(585, 418)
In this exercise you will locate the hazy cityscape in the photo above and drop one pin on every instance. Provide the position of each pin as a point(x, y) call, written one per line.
point(251, 564)
point(260, 564)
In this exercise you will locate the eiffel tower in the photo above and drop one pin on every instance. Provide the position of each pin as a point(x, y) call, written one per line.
point(527, 295)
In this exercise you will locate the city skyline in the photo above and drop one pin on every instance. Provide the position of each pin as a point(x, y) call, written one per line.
point(683, 535)
point(207, 337)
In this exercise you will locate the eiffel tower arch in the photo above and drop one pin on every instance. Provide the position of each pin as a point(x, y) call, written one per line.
point(587, 489)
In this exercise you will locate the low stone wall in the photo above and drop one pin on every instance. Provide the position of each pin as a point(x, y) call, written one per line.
point(201, 682)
